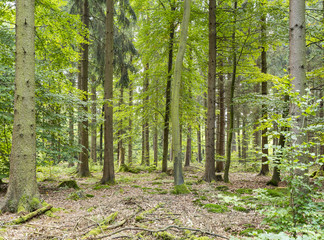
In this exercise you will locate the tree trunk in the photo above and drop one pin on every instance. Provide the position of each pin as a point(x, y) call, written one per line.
point(199, 143)
point(22, 189)
point(101, 134)
point(209, 174)
point(176, 148)
point(94, 123)
point(121, 149)
point(231, 117)
point(108, 169)
point(264, 89)
point(188, 149)
point(168, 98)
point(297, 64)
point(146, 124)
point(143, 144)
point(239, 138)
point(84, 155)
point(130, 138)
point(221, 125)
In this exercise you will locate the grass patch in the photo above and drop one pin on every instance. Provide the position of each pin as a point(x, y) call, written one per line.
point(180, 189)
point(240, 209)
point(222, 188)
point(250, 231)
point(99, 187)
point(216, 208)
point(244, 191)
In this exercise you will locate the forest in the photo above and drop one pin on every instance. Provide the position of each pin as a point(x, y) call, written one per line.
point(162, 119)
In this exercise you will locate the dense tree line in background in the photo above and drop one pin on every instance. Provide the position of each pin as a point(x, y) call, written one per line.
point(126, 74)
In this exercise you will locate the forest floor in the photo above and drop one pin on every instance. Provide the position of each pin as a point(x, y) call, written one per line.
point(140, 206)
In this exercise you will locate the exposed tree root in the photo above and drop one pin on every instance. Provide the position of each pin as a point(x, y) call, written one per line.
point(159, 230)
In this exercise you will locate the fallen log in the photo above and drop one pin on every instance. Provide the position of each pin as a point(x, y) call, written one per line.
point(31, 215)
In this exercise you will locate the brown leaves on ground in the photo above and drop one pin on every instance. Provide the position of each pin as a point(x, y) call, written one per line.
point(143, 201)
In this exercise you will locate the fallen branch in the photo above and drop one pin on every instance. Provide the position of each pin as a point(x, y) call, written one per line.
point(160, 230)
point(31, 215)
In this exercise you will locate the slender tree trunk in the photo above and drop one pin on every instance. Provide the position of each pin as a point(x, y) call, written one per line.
point(297, 64)
point(22, 189)
point(199, 143)
point(143, 144)
point(130, 138)
point(209, 174)
point(108, 169)
point(84, 155)
point(121, 149)
point(168, 97)
point(101, 135)
point(94, 123)
point(264, 89)
point(146, 124)
point(244, 139)
point(176, 148)
point(239, 138)
point(71, 128)
point(231, 117)
point(221, 143)
point(188, 149)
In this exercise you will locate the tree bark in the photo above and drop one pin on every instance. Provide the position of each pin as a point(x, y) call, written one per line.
point(146, 123)
point(221, 125)
point(84, 155)
point(188, 149)
point(108, 169)
point(209, 174)
point(176, 148)
point(130, 138)
point(168, 97)
point(199, 143)
point(264, 89)
point(94, 122)
point(231, 117)
point(297, 65)
point(121, 150)
point(22, 189)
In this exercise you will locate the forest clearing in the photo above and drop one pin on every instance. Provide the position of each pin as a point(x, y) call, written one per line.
point(144, 200)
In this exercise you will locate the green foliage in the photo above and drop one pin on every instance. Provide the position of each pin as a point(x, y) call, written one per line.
point(216, 208)
point(244, 191)
point(250, 232)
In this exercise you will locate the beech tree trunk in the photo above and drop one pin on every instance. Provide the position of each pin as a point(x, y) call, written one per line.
point(108, 169)
point(84, 155)
point(22, 189)
point(175, 99)
point(297, 65)
point(209, 174)
point(168, 97)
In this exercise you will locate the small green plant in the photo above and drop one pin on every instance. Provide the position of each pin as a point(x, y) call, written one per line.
point(216, 208)
point(244, 191)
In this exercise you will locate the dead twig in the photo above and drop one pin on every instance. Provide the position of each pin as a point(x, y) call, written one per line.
point(159, 230)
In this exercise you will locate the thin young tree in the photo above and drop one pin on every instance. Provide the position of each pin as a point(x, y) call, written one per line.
point(22, 193)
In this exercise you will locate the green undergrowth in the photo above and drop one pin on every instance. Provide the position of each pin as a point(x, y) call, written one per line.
point(216, 208)
point(79, 195)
